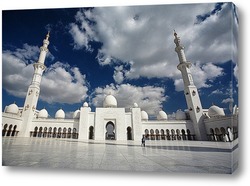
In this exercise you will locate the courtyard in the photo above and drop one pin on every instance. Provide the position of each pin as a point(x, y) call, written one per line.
point(111, 155)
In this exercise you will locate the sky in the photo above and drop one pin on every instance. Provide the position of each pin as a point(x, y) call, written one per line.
point(127, 51)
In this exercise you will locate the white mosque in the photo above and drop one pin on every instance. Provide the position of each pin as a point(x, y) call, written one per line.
point(111, 122)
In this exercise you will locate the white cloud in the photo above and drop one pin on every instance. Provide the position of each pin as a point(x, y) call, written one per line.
point(144, 35)
point(60, 83)
point(63, 85)
point(201, 75)
point(217, 91)
point(148, 98)
point(236, 73)
point(119, 74)
point(228, 100)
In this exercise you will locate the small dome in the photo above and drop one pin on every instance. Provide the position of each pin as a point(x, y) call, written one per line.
point(135, 105)
point(60, 114)
point(215, 111)
point(144, 115)
point(162, 115)
point(43, 113)
point(12, 109)
point(180, 115)
point(76, 114)
point(110, 101)
point(85, 104)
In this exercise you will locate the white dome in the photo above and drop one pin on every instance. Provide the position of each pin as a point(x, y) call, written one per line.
point(109, 101)
point(215, 111)
point(144, 115)
point(85, 104)
point(162, 115)
point(60, 114)
point(135, 105)
point(12, 109)
point(180, 115)
point(43, 113)
point(76, 114)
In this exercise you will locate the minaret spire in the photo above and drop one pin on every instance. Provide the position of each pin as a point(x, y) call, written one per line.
point(30, 104)
point(190, 90)
point(47, 36)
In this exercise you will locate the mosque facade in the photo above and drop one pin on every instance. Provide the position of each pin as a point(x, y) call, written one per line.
point(113, 123)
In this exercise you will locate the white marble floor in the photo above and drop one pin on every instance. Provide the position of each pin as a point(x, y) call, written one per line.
point(163, 156)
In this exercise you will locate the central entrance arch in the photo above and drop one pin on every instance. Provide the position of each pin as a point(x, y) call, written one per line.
point(110, 131)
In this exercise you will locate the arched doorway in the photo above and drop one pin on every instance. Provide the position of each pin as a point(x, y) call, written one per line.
point(129, 133)
point(91, 132)
point(40, 132)
point(35, 131)
point(9, 130)
point(50, 132)
point(168, 134)
point(54, 132)
point(173, 134)
point(157, 134)
point(14, 131)
point(74, 134)
point(183, 134)
point(59, 133)
point(110, 131)
point(4, 129)
point(152, 135)
point(178, 134)
point(162, 134)
point(146, 133)
point(45, 132)
point(64, 132)
point(212, 138)
point(69, 133)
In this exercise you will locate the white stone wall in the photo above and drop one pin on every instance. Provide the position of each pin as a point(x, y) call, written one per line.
point(115, 115)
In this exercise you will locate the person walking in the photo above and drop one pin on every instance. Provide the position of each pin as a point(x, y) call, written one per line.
point(143, 141)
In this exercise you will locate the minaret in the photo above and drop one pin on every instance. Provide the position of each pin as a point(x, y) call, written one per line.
point(32, 95)
point(190, 91)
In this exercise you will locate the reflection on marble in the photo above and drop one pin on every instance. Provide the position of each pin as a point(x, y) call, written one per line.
point(163, 156)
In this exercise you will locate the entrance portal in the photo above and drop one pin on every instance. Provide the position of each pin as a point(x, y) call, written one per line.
point(110, 131)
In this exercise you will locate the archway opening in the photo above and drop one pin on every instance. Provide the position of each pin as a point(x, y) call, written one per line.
point(110, 131)
point(147, 134)
point(91, 132)
point(183, 134)
point(129, 133)
point(4, 129)
point(9, 130)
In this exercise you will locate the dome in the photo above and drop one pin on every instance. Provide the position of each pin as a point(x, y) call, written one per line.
point(60, 114)
point(12, 109)
point(110, 101)
point(162, 115)
point(180, 115)
point(215, 111)
point(43, 113)
point(85, 104)
point(144, 115)
point(135, 105)
point(76, 114)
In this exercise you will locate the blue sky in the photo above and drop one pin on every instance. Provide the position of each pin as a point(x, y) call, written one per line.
point(127, 51)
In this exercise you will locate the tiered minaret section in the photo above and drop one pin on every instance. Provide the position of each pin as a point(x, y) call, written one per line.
point(32, 95)
point(190, 91)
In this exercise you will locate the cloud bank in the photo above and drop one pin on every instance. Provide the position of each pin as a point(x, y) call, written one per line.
point(142, 36)
point(61, 83)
